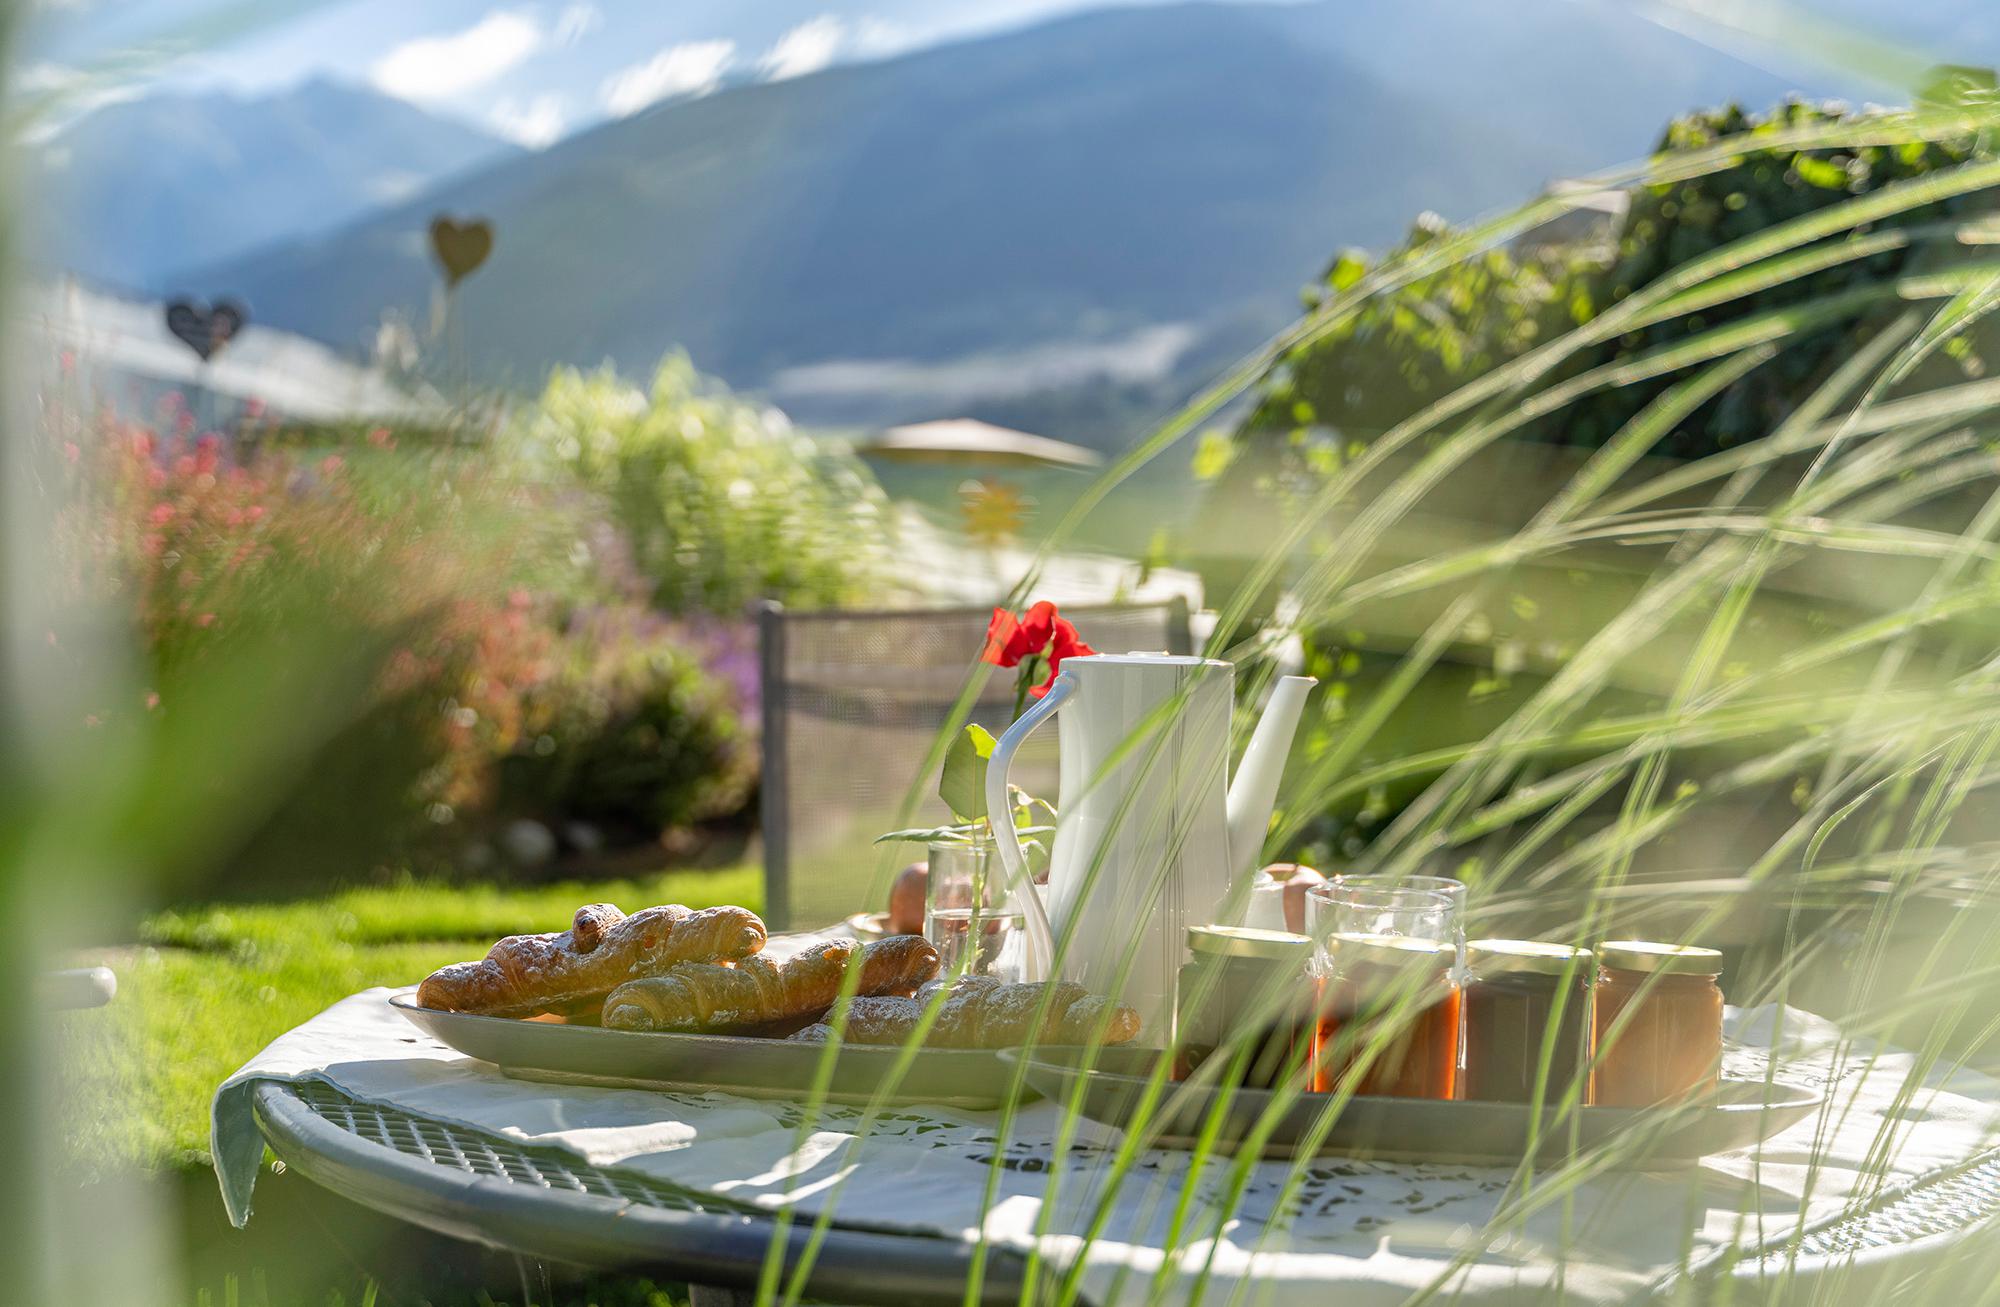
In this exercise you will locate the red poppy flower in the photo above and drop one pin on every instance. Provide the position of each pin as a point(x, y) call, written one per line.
point(998, 632)
point(1009, 641)
point(1066, 644)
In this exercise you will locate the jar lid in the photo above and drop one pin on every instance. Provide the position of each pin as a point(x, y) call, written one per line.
point(1391, 950)
point(1249, 942)
point(1533, 955)
point(1644, 955)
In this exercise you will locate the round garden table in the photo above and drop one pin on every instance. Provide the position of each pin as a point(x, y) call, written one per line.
point(546, 1204)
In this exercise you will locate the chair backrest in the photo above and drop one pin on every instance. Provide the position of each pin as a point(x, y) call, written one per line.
point(852, 702)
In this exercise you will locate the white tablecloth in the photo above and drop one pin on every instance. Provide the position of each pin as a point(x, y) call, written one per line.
point(1376, 1232)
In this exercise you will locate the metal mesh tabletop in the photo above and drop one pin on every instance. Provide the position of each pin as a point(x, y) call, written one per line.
point(548, 1204)
point(482, 1155)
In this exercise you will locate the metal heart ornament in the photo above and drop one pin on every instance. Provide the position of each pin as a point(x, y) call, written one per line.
point(460, 247)
point(206, 330)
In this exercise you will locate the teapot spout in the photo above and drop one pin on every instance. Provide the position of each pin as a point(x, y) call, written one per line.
point(1254, 792)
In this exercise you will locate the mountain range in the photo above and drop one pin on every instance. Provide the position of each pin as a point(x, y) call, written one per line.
point(132, 194)
point(1106, 203)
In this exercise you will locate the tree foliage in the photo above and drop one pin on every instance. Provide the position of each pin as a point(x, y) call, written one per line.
point(1409, 348)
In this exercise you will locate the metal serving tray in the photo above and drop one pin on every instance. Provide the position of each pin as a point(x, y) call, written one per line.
point(1109, 1085)
point(737, 1064)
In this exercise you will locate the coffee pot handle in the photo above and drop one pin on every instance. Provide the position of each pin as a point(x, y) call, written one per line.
point(1040, 960)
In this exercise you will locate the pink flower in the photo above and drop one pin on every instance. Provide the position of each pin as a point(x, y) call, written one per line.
point(331, 465)
point(381, 439)
point(253, 408)
point(152, 699)
point(205, 620)
point(161, 514)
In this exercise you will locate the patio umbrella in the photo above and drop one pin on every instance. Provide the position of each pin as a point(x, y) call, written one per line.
point(966, 442)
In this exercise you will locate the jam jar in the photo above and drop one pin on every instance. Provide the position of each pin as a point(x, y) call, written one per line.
point(1527, 1006)
point(1245, 992)
point(1658, 1025)
point(1392, 983)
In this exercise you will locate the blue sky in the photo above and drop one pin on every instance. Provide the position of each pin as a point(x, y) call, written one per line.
point(531, 71)
point(536, 70)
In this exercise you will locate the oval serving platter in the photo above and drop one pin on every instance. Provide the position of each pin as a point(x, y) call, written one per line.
point(736, 1064)
point(1113, 1087)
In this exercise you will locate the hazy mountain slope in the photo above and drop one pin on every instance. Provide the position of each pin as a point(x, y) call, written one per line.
point(1075, 182)
point(137, 191)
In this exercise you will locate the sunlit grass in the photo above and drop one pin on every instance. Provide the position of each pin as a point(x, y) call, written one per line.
point(417, 910)
point(212, 985)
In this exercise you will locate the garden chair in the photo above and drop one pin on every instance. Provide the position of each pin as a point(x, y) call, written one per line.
point(852, 700)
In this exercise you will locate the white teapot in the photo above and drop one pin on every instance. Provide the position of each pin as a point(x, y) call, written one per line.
point(1152, 834)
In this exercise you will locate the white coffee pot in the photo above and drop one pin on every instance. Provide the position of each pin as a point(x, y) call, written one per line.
point(1152, 834)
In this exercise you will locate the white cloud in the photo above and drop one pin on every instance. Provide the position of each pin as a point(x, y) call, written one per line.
point(60, 95)
point(437, 67)
point(534, 122)
point(575, 22)
point(1145, 354)
point(806, 48)
point(690, 68)
point(878, 38)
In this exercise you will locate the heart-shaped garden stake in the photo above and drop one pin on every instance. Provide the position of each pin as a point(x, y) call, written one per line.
point(206, 330)
point(460, 246)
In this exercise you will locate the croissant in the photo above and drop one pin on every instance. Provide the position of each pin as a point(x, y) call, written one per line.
point(524, 975)
point(758, 992)
point(983, 1012)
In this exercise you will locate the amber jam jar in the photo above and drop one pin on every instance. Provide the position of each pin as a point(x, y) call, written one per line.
point(1376, 979)
point(1245, 992)
point(1527, 1004)
point(1668, 1045)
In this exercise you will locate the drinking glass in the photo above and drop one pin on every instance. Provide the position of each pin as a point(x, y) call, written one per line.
point(1385, 950)
point(967, 917)
point(1394, 890)
point(1380, 905)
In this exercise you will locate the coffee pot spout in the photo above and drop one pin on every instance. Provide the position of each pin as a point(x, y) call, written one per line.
point(1254, 791)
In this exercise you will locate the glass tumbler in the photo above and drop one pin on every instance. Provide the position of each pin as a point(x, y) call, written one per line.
point(967, 917)
point(1373, 938)
point(1392, 903)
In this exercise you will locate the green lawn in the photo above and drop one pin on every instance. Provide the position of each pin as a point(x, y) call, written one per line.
point(208, 986)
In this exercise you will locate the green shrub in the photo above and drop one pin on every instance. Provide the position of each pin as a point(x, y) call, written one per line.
point(266, 586)
point(627, 731)
point(1407, 349)
point(719, 502)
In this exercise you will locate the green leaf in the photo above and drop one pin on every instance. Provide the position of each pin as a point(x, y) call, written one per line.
point(1213, 455)
point(1952, 85)
point(1348, 269)
point(963, 784)
point(930, 835)
point(1823, 173)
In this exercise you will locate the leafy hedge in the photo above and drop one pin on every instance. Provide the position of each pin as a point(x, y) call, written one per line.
point(718, 502)
point(1411, 348)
